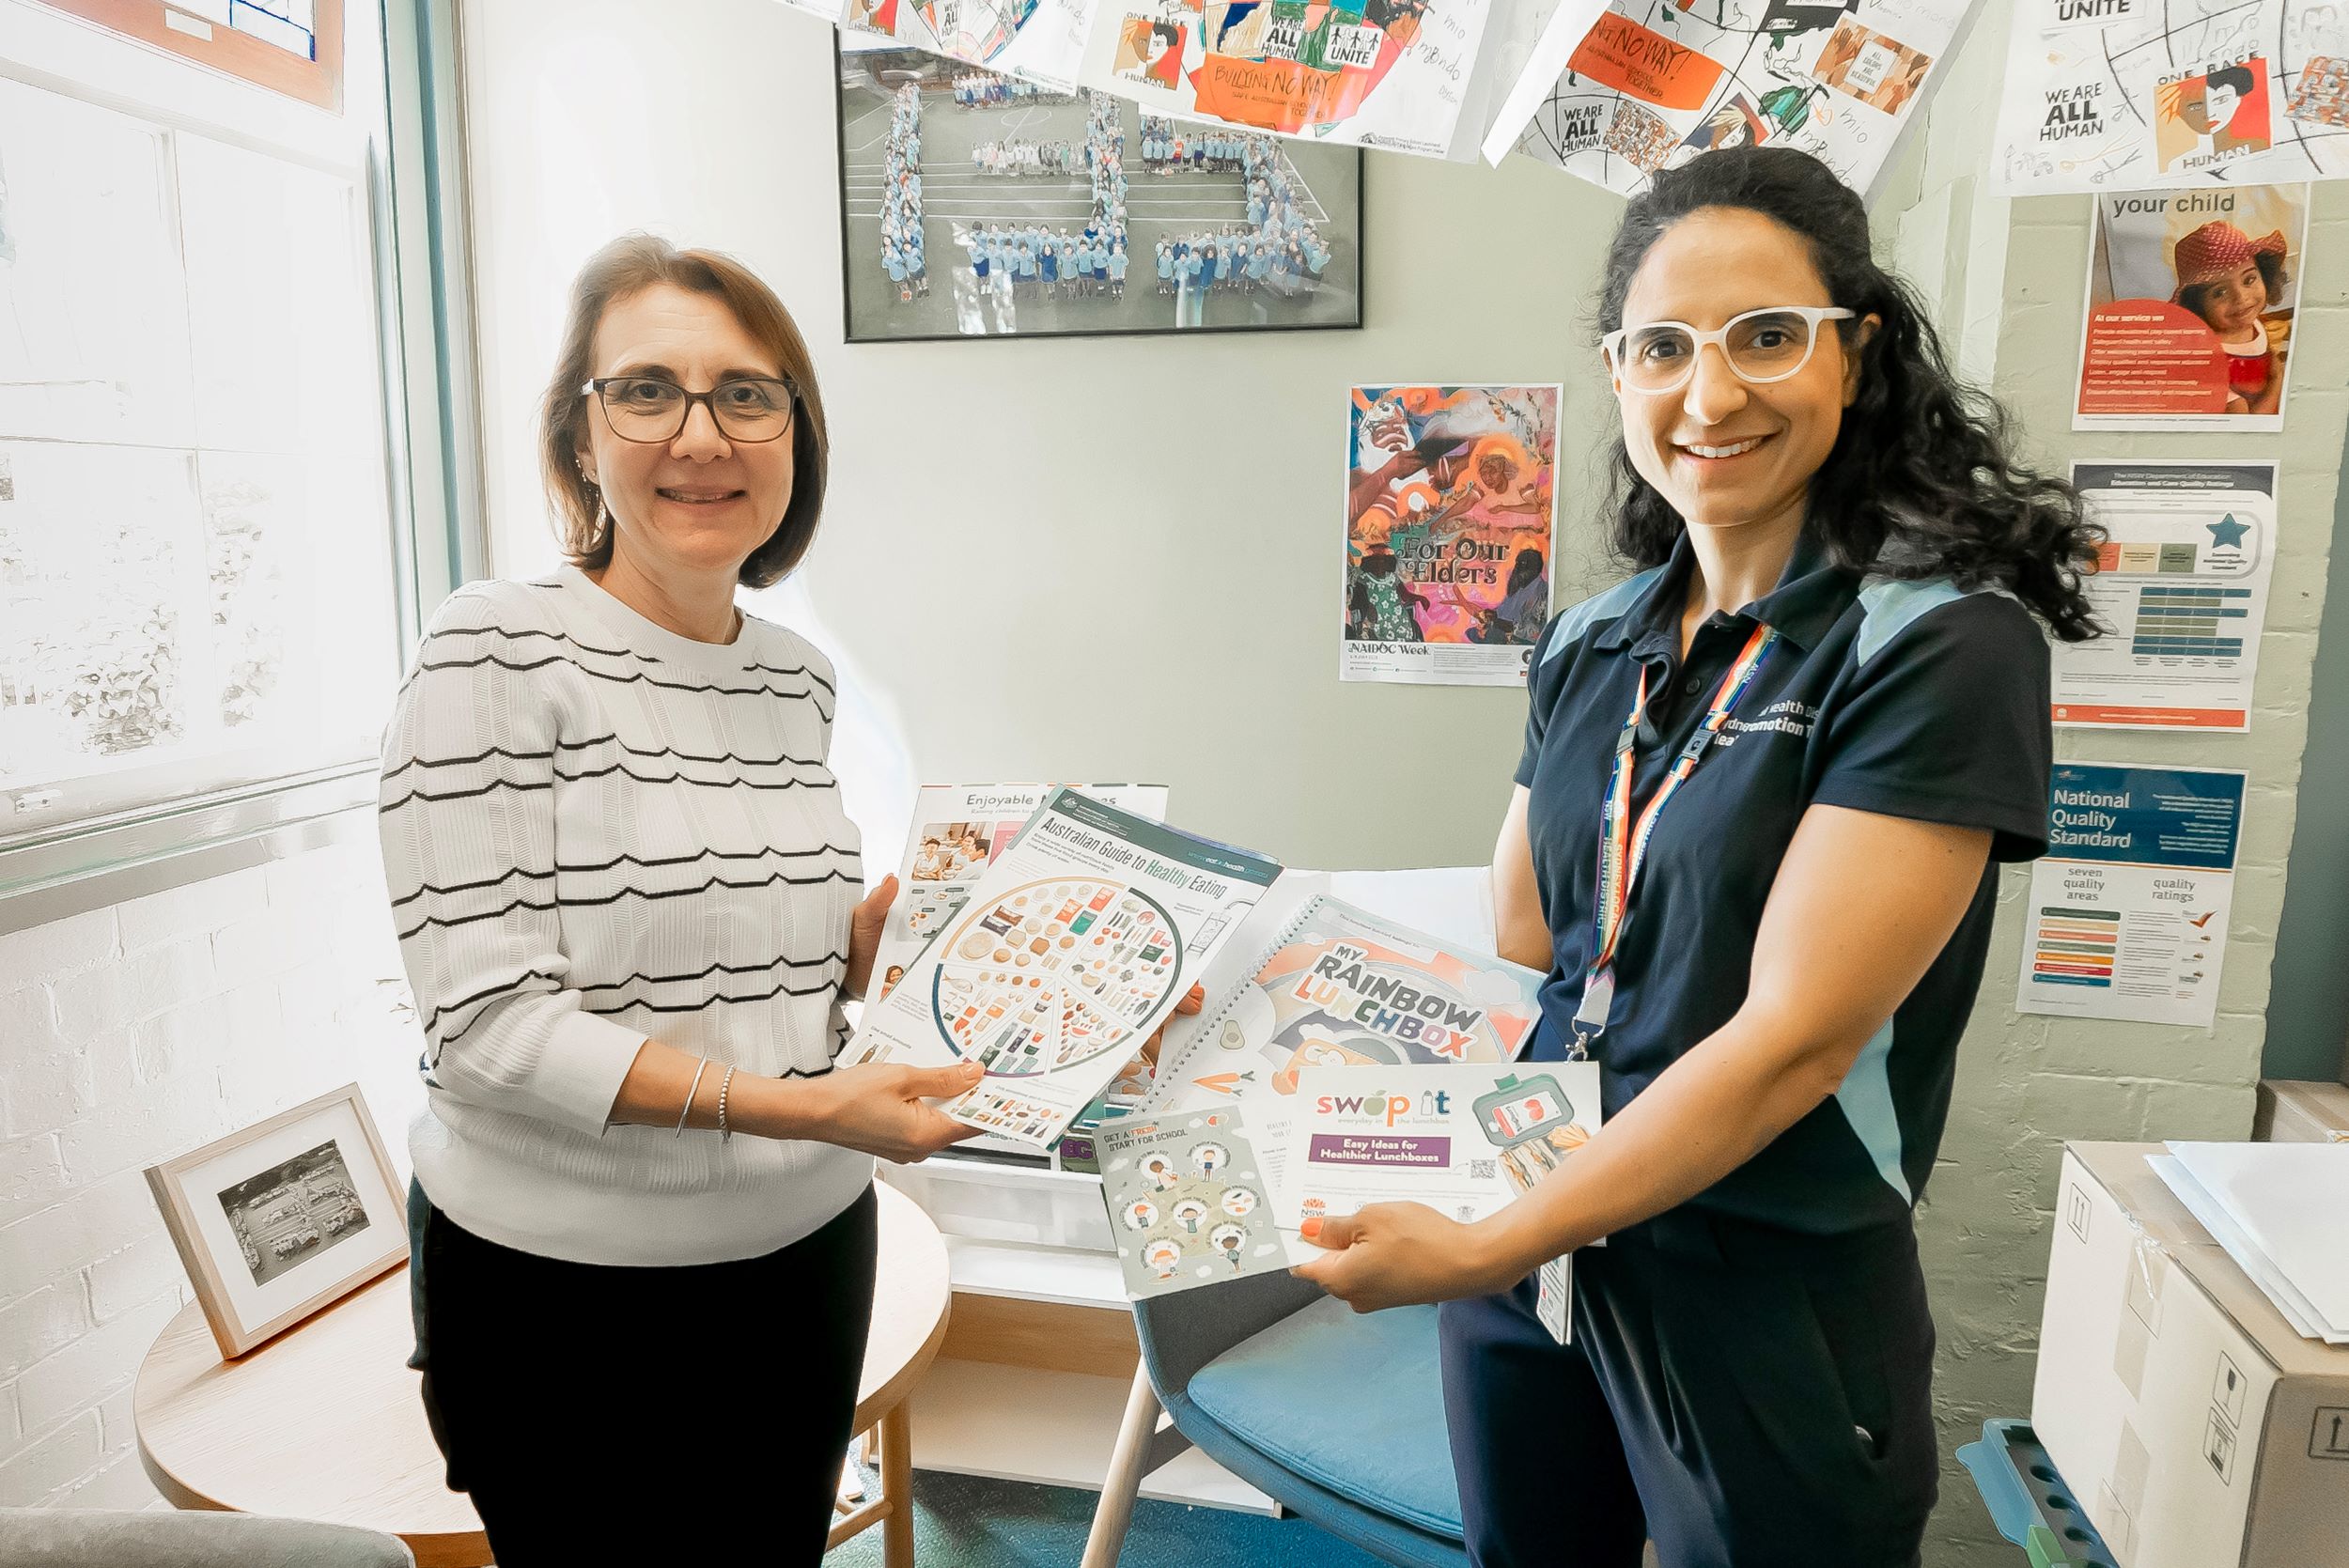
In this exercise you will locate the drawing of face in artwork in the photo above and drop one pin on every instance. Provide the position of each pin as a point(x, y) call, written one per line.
point(1141, 1215)
point(1238, 1202)
point(1160, 1170)
point(1190, 1214)
point(1208, 1159)
point(1228, 1240)
point(1162, 1257)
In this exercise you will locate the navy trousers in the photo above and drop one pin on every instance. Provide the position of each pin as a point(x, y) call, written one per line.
point(1746, 1397)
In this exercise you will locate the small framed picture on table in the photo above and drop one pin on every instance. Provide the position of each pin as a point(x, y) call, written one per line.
point(284, 1219)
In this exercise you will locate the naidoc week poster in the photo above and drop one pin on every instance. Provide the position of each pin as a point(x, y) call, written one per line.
point(1041, 40)
point(2108, 94)
point(2191, 301)
point(1647, 85)
point(1451, 497)
point(1396, 74)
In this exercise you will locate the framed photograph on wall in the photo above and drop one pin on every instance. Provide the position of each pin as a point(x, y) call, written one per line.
point(284, 1218)
point(975, 205)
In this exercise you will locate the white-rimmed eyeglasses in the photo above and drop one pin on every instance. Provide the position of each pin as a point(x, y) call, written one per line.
point(1760, 347)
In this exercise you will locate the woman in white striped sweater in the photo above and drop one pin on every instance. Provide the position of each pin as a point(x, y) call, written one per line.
point(628, 900)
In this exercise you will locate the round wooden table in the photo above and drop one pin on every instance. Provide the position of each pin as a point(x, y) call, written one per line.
point(325, 1423)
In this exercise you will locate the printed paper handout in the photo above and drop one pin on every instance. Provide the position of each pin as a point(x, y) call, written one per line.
point(2129, 907)
point(1072, 949)
point(1614, 95)
point(1040, 40)
point(1189, 1203)
point(1401, 74)
point(2102, 94)
point(958, 831)
point(2191, 300)
point(2182, 580)
point(1340, 987)
point(1451, 492)
point(1464, 1140)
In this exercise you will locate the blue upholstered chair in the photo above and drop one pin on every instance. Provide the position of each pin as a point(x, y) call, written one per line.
point(1335, 1416)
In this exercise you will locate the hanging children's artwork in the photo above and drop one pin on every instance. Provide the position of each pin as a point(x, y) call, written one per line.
point(1408, 75)
point(1614, 92)
point(2108, 93)
point(2191, 299)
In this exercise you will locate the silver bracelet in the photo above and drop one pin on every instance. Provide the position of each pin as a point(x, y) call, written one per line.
point(725, 1132)
point(688, 1096)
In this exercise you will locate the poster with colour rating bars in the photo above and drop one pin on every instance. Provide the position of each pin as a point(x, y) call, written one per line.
point(2129, 907)
point(2183, 583)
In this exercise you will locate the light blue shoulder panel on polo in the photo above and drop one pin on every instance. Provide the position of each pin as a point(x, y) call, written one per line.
point(1865, 1097)
point(1888, 606)
point(1583, 616)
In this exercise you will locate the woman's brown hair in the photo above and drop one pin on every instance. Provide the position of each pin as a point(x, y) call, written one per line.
point(628, 266)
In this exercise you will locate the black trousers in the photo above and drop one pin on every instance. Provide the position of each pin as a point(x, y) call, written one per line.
point(1744, 1396)
point(601, 1413)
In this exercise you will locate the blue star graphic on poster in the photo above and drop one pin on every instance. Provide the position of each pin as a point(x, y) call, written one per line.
point(2226, 531)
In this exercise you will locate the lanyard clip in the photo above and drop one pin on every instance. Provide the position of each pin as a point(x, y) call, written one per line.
point(1590, 1019)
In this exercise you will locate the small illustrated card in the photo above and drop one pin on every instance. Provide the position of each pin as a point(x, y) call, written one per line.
point(1188, 1201)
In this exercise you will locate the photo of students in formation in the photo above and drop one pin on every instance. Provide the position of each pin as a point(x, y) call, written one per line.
point(1050, 204)
point(901, 201)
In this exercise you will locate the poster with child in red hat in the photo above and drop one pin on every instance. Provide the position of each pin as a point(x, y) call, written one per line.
point(2191, 302)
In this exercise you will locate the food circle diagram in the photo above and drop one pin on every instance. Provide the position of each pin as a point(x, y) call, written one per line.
point(1053, 973)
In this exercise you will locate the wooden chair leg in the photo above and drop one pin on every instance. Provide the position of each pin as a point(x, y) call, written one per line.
point(1129, 1463)
point(897, 1468)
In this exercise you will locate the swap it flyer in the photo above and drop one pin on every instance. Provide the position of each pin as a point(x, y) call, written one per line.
point(1345, 988)
point(1465, 1141)
point(1382, 73)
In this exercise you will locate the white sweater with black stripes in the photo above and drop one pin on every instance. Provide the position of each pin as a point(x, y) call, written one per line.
point(596, 831)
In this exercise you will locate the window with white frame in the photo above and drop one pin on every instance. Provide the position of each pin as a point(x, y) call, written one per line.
point(197, 530)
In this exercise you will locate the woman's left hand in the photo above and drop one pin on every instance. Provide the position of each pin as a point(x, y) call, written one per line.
point(1403, 1255)
point(864, 935)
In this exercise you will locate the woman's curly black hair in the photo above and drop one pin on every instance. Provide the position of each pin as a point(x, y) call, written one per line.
point(1922, 480)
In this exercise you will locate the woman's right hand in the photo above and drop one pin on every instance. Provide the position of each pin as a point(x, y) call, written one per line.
point(879, 1110)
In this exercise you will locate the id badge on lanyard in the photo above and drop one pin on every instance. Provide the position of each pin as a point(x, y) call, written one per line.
point(1623, 842)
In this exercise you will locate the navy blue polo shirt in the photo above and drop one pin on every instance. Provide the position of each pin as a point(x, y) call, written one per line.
point(1912, 699)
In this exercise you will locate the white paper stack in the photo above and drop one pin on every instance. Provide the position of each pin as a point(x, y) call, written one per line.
point(2281, 1212)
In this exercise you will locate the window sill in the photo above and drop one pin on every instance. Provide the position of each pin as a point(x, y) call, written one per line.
point(92, 865)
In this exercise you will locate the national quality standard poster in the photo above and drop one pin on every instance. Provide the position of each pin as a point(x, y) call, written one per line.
point(1451, 492)
point(2182, 580)
point(2129, 907)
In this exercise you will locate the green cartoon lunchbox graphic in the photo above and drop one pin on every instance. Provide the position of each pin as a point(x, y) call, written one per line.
point(1532, 1124)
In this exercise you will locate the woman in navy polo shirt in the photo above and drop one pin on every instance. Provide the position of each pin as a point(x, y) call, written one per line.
point(1806, 733)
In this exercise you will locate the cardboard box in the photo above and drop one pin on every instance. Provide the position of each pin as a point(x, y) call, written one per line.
point(2292, 1112)
point(2193, 1424)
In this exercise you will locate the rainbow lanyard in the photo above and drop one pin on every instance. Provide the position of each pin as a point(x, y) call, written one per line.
point(1623, 842)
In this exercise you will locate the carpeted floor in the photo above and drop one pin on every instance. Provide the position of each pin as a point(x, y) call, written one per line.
point(965, 1522)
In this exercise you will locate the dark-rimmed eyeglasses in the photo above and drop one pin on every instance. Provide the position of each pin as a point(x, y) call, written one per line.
point(652, 408)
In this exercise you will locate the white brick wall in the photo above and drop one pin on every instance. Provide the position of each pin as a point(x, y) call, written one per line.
point(134, 1033)
point(2027, 1084)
